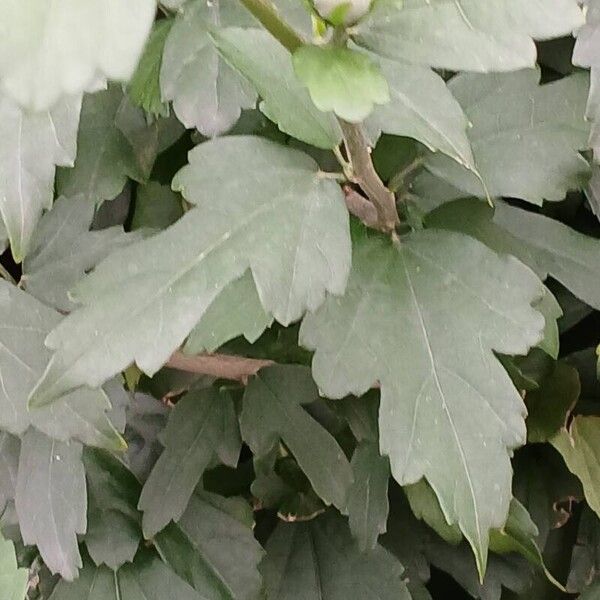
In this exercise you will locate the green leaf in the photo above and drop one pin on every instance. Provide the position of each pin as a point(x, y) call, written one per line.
point(156, 207)
point(425, 506)
point(451, 417)
point(422, 107)
point(10, 448)
point(235, 311)
point(549, 406)
point(13, 580)
point(268, 66)
point(144, 87)
point(341, 80)
point(585, 54)
point(114, 524)
point(206, 92)
point(319, 560)
point(50, 50)
point(367, 506)
point(105, 153)
point(24, 324)
point(51, 500)
point(212, 547)
point(272, 411)
point(277, 217)
point(580, 449)
point(197, 430)
point(63, 250)
point(527, 148)
point(31, 145)
point(147, 579)
point(585, 561)
point(466, 35)
point(547, 246)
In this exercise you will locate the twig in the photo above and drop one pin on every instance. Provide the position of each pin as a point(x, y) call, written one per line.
point(223, 366)
point(357, 146)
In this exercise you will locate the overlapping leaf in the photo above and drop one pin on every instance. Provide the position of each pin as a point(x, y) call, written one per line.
point(277, 217)
point(206, 92)
point(203, 425)
point(13, 580)
point(527, 148)
point(466, 35)
point(213, 548)
point(451, 417)
point(49, 49)
point(51, 500)
point(31, 145)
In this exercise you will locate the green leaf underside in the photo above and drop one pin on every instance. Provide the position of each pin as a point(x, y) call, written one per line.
point(49, 49)
point(547, 246)
point(235, 311)
point(318, 560)
point(51, 500)
point(206, 92)
point(63, 250)
point(197, 428)
point(148, 578)
point(443, 416)
point(31, 145)
point(13, 580)
point(24, 324)
point(213, 548)
point(528, 148)
point(580, 449)
point(466, 35)
point(283, 221)
point(341, 80)
point(272, 411)
point(422, 107)
point(285, 100)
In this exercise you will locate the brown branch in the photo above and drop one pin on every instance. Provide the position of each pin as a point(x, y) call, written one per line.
point(359, 154)
point(360, 207)
point(223, 366)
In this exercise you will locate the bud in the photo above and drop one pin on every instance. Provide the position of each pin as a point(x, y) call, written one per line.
point(349, 11)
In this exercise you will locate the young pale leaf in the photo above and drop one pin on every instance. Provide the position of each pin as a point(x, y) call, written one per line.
point(31, 145)
point(49, 49)
point(368, 506)
point(341, 80)
point(545, 245)
point(197, 430)
point(235, 311)
point(206, 92)
point(213, 548)
point(585, 54)
point(63, 250)
point(144, 87)
point(466, 35)
point(580, 449)
point(422, 107)
point(449, 416)
point(148, 578)
point(277, 217)
point(527, 148)
point(24, 323)
point(51, 500)
point(10, 448)
point(114, 531)
point(318, 560)
point(272, 411)
point(106, 155)
point(268, 66)
point(13, 580)
point(549, 406)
